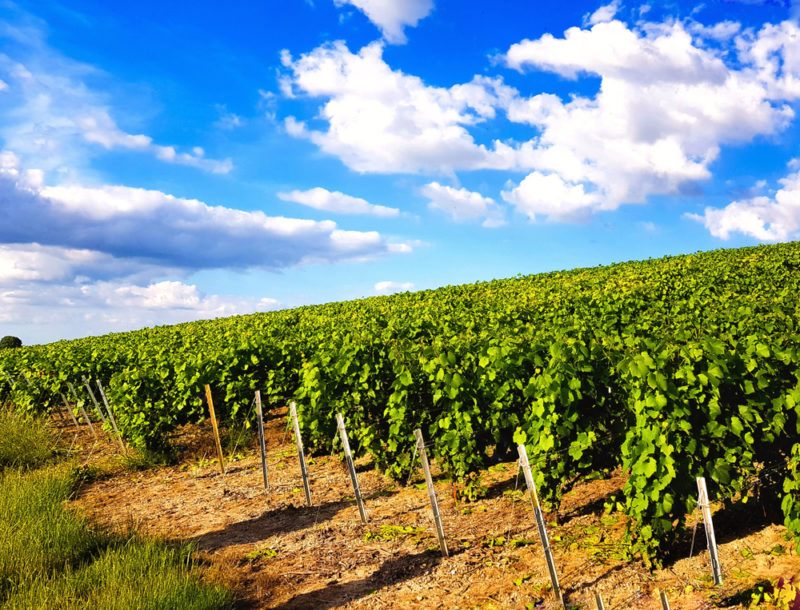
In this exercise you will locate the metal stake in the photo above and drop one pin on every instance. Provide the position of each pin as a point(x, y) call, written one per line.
point(300, 453)
point(537, 511)
point(69, 410)
point(548, 554)
point(80, 406)
point(702, 500)
point(437, 518)
point(111, 416)
point(262, 442)
point(599, 600)
point(94, 400)
point(351, 466)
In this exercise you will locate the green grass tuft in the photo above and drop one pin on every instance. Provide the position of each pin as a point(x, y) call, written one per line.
point(145, 575)
point(38, 537)
point(25, 442)
point(51, 558)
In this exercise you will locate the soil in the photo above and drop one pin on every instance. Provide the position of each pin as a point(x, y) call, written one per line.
point(275, 552)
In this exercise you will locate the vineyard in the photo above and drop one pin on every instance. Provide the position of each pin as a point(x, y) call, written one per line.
point(669, 369)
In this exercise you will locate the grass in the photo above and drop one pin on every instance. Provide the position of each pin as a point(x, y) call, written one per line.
point(144, 575)
point(25, 442)
point(52, 558)
point(37, 536)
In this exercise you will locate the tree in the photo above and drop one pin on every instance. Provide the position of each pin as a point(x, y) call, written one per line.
point(10, 342)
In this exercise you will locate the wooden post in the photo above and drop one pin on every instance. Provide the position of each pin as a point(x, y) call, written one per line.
point(111, 416)
point(262, 441)
point(94, 400)
point(298, 439)
point(702, 500)
point(217, 442)
point(599, 600)
point(526, 471)
point(80, 406)
point(437, 518)
point(71, 414)
point(351, 466)
point(664, 600)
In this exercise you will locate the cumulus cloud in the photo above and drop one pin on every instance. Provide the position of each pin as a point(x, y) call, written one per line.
point(772, 219)
point(390, 287)
point(41, 311)
point(550, 196)
point(774, 51)
point(385, 121)
point(666, 105)
point(392, 16)
point(337, 203)
point(664, 108)
point(175, 295)
point(159, 229)
point(55, 120)
point(602, 14)
point(463, 205)
point(37, 263)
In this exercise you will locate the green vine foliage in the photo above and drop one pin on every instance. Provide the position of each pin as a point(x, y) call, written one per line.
point(669, 369)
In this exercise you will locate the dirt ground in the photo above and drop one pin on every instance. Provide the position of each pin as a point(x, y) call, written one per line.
point(275, 552)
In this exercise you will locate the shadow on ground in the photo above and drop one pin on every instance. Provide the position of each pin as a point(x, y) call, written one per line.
point(392, 571)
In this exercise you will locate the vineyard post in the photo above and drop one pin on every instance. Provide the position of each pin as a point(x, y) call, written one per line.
point(94, 400)
point(525, 465)
point(80, 406)
point(664, 600)
point(217, 442)
point(71, 414)
point(599, 600)
point(716, 570)
point(300, 453)
point(262, 441)
point(351, 467)
point(111, 415)
point(537, 511)
point(548, 554)
point(437, 518)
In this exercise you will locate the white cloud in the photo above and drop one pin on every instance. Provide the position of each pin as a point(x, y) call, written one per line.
point(32, 262)
point(56, 121)
point(392, 16)
point(40, 312)
point(775, 53)
point(603, 14)
point(462, 205)
point(771, 219)
point(174, 295)
point(100, 128)
point(613, 50)
point(382, 120)
point(338, 203)
point(161, 230)
point(721, 32)
point(663, 110)
point(548, 195)
point(390, 287)
point(665, 107)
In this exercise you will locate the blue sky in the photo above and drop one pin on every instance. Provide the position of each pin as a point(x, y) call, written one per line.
point(163, 162)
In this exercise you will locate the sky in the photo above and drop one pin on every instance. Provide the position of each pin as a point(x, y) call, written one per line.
point(163, 162)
